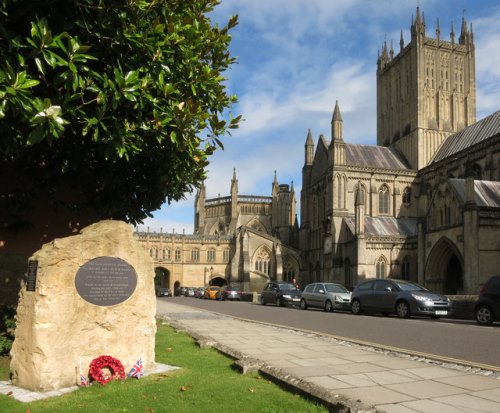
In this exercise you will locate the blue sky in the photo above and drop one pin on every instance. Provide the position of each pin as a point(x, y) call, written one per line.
point(295, 59)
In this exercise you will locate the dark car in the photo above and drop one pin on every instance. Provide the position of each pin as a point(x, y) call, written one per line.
point(329, 296)
point(403, 298)
point(180, 291)
point(229, 293)
point(487, 307)
point(163, 292)
point(280, 293)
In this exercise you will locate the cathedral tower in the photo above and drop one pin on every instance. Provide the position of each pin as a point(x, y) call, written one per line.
point(426, 92)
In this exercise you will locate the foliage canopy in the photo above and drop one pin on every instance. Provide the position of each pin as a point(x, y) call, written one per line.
point(110, 105)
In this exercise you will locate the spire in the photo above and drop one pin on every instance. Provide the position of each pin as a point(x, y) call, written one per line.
point(309, 139)
point(452, 35)
point(336, 113)
point(401, 42)
point(275, 177)
point(438, 31)
point(309, 146)
point(392, 51)
point(336, 123)
point(234, 174)
point(463, 31)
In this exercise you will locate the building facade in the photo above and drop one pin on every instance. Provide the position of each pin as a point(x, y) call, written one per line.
point(422, 205)
point(238, 239)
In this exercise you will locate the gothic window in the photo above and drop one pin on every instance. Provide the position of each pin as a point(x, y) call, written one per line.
point(211, 255)
point(477, 171)
point(383, 200)
point(405, 269)
point(225, 255)
point(360, 193)
point(263, 261)
point(177, 254)
point(166, 254)
point(380, 268)
point(195, 254)
point(407, 195)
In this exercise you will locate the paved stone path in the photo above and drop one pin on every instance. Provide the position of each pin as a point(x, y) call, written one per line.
point(348, 376)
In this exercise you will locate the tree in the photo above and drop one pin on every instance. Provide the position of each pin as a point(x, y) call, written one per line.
point(106, 106)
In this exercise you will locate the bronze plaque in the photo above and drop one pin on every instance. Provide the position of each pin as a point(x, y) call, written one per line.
point(32, 270)
point(106, 281)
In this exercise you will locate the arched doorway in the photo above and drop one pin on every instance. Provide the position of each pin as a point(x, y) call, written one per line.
point(218, 281)
point(162, 277)
point(443, 272)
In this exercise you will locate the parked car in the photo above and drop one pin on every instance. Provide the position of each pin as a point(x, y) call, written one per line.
point(229, 293)
point(329, 296)
point(180, 291)
point(189, 292)
point(280, 293)
point(211, 292)
point(199, 292)
point(163, 292)
point(403, 298)
point(487, 307)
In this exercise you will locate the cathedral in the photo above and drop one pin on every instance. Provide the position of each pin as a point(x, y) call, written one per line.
point(422, 205)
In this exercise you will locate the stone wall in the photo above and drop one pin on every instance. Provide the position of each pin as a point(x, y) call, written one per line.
point(57, 329)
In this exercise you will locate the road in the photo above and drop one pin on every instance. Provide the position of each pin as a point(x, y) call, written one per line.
point(454, 339)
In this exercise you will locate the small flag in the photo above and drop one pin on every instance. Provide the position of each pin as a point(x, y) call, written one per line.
point(84, 381)
point(137, 370)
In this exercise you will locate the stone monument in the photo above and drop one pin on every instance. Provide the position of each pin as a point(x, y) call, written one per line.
point(87, 295)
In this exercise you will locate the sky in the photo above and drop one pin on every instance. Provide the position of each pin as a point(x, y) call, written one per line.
point(295, 58)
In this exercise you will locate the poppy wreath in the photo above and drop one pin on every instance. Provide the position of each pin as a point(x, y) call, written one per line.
point(97, 369)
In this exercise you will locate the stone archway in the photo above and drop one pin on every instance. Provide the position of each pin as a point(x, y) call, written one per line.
point(162, 277)
point(218, 281)
point(444, 268)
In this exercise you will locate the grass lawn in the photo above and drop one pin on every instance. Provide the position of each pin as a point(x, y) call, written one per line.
point(205, 383)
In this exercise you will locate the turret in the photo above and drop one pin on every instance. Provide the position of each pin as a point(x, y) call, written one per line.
point(337, 145)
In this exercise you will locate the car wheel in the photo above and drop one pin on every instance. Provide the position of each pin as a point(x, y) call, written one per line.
point(356, 307)
point(484, 315)
point(328, 306)
point(303, 304)
point(262, 301)
point(402, 309)
point(279, 303)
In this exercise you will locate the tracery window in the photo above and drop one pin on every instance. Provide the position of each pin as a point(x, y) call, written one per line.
point(263, 261)
point(166, 254)
point(195, 254)
point(177, 254)
point(211, 255)
point(383, 200)
point(380, 268)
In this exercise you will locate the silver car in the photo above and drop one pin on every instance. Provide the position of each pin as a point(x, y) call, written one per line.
point(329, 296)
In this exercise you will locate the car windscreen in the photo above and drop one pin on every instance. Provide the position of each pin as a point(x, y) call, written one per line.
point(409, 286)
point(287, 287)
point(335, 288)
